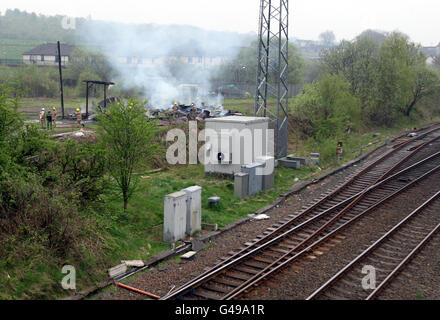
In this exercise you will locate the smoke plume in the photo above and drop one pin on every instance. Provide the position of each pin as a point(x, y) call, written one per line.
point(157, 59)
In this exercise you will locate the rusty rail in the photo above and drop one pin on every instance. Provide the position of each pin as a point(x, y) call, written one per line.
point(375, 245)
point(221, 268)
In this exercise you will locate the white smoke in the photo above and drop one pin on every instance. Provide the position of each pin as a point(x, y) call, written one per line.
point(156, 54)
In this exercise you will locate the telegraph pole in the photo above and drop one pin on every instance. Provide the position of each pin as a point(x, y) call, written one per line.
point(61, 79)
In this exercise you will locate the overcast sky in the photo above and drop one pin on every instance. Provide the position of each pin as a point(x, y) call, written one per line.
point(419, 19)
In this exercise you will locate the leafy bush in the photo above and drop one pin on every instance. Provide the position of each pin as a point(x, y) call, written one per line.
point(45, 189)
point(388, 73)
point(32, 81)
point(326, 108)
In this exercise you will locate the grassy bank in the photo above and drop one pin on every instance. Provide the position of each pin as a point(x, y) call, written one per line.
point(138, 233)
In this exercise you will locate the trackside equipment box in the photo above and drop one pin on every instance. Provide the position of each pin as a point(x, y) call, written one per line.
point(193, 209)
point(175, 217)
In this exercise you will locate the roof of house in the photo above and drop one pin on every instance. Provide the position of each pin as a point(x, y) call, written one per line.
point(51, 49)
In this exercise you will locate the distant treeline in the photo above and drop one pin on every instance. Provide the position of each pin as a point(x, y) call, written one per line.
point(21, 25)
point(16, 24)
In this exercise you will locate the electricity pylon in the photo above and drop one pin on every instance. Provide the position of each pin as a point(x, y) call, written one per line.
point(272, 73)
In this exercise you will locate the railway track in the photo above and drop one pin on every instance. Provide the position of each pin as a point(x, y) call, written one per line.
point(268, 253)
point(388, 256)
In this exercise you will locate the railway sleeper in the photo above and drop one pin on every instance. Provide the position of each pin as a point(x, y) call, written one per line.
point(256, 264)
point(237, 275)
point(206, 294)
point(338, 293)
point(215, 287)
point(248, 270)
point(384, 258)
point(271, 254)
point(279, 250)
point(228, 281)
point(264, 260)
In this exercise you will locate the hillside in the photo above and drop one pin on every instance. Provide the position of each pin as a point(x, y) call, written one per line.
point(20, 31)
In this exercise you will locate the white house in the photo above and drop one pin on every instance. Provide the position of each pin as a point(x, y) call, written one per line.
point(47, 54)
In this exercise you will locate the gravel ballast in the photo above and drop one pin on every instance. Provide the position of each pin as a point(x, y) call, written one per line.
point(295, 283)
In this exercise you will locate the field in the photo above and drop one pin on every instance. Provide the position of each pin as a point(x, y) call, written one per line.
point(13, 49)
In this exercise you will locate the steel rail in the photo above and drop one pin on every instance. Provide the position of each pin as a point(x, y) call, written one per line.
point(370, 249)
point(415, 151)
point(276, 265)
point(240, 253)
point(218, 269)
point(404, 262)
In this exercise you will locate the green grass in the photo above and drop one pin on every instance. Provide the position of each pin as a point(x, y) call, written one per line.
point(30, 107)
point(146, 206)
point(138, 234)
point(13, 49)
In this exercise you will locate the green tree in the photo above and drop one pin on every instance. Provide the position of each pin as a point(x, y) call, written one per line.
point(326, 108)
point(94, 91)
point(389, 75)
point(377, 36)
point(436, 61)
point(93, 62)
point(327, 38)
point(426, 82)
point(356, 62)
point(129, 139)
point(401, 78)
point(10, 119)
point(244, 66)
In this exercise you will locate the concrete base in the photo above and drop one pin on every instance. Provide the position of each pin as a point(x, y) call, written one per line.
point(290, 163)
point(303, 161)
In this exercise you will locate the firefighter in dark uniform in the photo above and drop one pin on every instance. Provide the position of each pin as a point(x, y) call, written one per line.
point(49, 119)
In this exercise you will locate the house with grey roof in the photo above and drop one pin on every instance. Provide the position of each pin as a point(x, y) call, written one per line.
point(47, 54)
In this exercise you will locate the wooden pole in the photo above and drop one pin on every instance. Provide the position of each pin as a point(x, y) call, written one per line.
point(87, 100)
point(61, 80)
point(105, 96)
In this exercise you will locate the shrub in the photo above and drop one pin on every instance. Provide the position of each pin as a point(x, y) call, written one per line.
point(326, 108)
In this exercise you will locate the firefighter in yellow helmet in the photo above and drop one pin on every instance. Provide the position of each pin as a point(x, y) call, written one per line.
point(78, 117)
point(175, 110)
point(54, 117)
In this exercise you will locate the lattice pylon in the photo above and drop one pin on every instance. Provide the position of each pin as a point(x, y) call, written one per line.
point(272, 73)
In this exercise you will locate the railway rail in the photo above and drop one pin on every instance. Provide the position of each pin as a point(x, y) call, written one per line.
point(388, 255)
point(288, 241)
